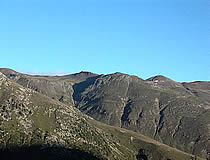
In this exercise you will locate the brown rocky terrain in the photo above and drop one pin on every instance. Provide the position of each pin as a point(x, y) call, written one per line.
point(173, 113)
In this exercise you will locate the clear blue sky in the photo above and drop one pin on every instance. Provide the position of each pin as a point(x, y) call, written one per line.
point(140, 37)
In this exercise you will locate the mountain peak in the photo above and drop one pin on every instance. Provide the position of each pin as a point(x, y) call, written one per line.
point(84, 73)
point(159, 78)
point(164, 81)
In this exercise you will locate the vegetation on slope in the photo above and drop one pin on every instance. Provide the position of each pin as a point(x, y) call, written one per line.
point(160, 108)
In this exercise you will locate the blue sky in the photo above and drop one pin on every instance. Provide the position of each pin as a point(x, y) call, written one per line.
point(139, 37)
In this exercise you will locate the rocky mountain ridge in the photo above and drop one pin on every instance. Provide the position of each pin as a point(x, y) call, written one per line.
point(157, 107)
point(30, 119)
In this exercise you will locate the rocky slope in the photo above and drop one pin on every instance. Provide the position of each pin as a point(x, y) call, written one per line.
point(34, 126)
point(29, 119)
point(174, 113)
point(55, 87)
point(199, 89)
point(161, 109)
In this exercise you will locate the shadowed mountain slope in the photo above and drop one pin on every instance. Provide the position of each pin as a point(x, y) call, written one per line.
point(38, 152)
point(34, 126)
point(158, 107)
point(55, 87)
point(29, 118)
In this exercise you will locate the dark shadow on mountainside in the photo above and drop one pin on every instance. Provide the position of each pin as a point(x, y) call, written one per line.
point(44, 153)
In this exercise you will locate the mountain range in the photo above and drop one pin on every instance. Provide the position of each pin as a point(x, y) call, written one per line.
point(114, 116)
